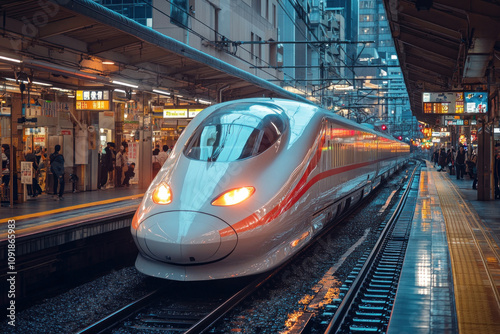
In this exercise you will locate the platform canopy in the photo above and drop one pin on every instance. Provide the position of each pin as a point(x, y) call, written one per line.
point(445, 45)
point(75, 43)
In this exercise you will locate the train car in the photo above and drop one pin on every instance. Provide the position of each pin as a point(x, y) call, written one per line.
point(250, 182)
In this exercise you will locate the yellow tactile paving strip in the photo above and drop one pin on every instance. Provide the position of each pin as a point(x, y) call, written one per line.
point(38, 228)
point(474, 261)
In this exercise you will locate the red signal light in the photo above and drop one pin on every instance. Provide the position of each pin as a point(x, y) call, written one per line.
point(383, 127)
point(400, 138)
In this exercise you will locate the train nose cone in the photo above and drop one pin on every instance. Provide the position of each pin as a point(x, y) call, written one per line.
point(185, 237)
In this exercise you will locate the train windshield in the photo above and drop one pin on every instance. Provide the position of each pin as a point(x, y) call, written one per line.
point(235, 132)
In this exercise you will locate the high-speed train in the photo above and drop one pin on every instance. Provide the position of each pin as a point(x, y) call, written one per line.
point(250, 182)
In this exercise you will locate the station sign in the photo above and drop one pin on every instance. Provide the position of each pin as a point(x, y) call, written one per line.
point(92, 100)
point(440, 134)
point(175, 113)
point(181, 112)
point(462, 102)
point(92, 95)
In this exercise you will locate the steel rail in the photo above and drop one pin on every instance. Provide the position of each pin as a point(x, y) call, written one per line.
point(121, 314)
point(349, 298)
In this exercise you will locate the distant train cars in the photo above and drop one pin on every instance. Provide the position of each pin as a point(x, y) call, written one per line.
point(250, 182)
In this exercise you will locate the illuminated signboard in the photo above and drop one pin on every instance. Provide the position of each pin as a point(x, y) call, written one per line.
point(476, 102)
point(194, 112)
point(92, 100)
point(92, 95)
point(175, 113)
point(92, 105)
point(181, 113)
point(441, 134)
point(455, 102)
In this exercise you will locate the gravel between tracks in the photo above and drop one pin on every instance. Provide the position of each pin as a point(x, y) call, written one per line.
point(81, 306)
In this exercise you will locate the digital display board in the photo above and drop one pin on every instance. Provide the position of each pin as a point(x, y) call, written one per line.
point(92, 100)
point(455, 102)
point(476, 102)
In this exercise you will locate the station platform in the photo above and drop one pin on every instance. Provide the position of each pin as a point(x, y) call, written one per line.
point(43, 213)
point(450, 279)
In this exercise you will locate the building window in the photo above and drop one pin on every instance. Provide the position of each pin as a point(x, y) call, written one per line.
point(275, 18)
point(367, 31)
point(179, 13)
point(367, 4)
point(366, 18)
point(256, 5)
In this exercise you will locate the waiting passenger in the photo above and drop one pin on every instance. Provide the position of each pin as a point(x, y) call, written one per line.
point(57, 168)
point(460, 163)
point(163, 155)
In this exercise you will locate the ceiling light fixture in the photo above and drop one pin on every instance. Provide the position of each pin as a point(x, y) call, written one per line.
point(161, 92)
point(124, 84)
point(11, 59)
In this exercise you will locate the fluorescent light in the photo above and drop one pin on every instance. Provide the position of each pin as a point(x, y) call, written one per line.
point(41, 83)
point(119, 91)
point(11, 59)
point(161, 92)
point(124, 84)
point(204, 102)
point(62, 89)
point(108, 63)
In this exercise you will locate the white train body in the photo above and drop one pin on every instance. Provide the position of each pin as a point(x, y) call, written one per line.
point(301, 166)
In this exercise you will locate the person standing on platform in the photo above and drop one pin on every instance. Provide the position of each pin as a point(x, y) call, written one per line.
point(57, 168)
point(109, 163)
point(163, 155)
point(460, 163)
point(442, 160)
point(120, 163)
point(472, 165)
point(435, 157)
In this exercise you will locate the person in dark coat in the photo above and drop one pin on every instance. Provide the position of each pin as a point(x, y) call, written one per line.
point(460, 162)
point(57, 168)
point(442, 160)
point(435, 157)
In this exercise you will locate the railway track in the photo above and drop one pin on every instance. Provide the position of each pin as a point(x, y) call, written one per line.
point(371, 288)
point(188, 313)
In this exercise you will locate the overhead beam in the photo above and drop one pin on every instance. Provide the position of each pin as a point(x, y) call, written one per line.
point(111, 44)
point(425, 64)
point(429, 44)
point(60, 27)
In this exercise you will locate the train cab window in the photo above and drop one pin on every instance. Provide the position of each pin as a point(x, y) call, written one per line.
point(236, 132)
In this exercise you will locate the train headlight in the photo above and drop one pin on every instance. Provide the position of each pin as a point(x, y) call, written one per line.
point(162, 194)
point(234, 196)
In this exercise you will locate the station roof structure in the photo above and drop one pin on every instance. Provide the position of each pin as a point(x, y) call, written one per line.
point(445, 45)
point(81, 43)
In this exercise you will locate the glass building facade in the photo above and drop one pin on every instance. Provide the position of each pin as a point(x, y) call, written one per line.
point(138, 10)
